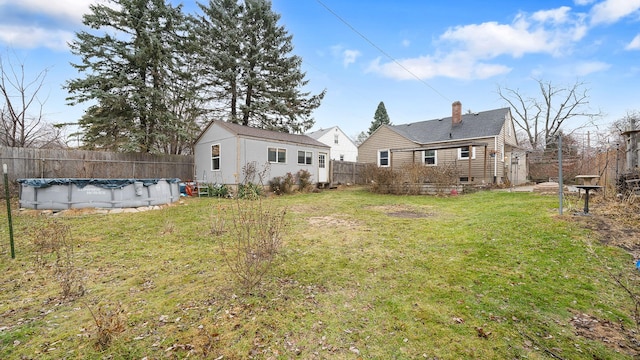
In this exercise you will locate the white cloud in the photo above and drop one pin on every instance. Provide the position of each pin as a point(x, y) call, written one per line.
point(406, 42)
point(586, 68)
point(469, 51)
point(349, 57)
point(583, 2)
point(610, 11)
point(63, 9)
point(558, 16)
point(27, 37)
point(456, 66)
point(634, 44)
point(524, 35)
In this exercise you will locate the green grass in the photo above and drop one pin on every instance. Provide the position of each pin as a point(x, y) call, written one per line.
point(351, 281)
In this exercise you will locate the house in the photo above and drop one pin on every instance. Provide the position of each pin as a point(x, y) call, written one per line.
point(223, 151)
point(342, 147)
point(482, 146)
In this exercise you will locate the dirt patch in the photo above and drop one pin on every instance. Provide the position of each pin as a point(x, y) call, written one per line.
point(404, 211)
point(333, 221)
point(613, 335)
point(616, 223)
point(408, 214)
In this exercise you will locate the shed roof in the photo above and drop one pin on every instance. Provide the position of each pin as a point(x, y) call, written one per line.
point(248, 131)
point(474, 125)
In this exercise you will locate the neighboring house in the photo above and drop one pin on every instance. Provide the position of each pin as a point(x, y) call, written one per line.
point(342, 147)
point(483, 146)
point(223, 149)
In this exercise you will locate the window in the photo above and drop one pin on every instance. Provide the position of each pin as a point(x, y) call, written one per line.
point(341, 157)
point(304, 157)
point(335, 138)
point(463, 153)
point(383, 158)
point(277, 155)
point(429, 157)
point(215, 157)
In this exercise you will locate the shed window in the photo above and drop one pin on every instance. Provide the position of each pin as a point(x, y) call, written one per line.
point(304, 157)
point(429, 157)
point(215, 157)
point(383, 158)
point(277, 155)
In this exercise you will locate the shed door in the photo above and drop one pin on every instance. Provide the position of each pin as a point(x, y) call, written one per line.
point(323, 170)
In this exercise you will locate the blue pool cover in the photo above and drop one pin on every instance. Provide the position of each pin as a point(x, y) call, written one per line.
point(103, 183)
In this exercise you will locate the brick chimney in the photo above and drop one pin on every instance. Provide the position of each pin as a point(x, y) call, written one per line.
point(456, 113)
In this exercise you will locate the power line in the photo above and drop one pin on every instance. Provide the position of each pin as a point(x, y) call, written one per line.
point(381, 50)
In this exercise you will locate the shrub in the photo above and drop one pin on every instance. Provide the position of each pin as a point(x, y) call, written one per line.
point(249, 191)
point(254, 240)
point(410, 178)
point(110, 320)
point(303, 178)
point(219, 190)
point(53, 243)
point(282, 185)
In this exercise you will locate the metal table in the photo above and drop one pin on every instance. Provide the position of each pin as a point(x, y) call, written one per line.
point(586, 197)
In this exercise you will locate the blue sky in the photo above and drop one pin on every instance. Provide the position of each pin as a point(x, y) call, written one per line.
point(416, 56)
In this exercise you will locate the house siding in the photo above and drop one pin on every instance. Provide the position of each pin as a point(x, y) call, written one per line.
point(384, 138)
point(480, 171)
point(344, 146)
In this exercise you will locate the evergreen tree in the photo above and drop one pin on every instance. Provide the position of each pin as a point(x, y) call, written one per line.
point(253, 76)
point(379, 118)
point(136, 71)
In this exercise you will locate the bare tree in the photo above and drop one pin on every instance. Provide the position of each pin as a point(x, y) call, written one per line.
point(542, 118)
point(21, 113)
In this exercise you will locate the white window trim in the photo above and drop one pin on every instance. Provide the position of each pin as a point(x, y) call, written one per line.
point(435, 158)
point(310, 156)
point(219, 157)
point(388, 158)
point(277, 151)
point(473, 154)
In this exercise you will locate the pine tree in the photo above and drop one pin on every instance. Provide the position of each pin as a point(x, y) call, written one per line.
point(252, 72)
point(136, 72)
point(379, 118)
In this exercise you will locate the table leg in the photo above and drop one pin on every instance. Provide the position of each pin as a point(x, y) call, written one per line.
point(586, 201)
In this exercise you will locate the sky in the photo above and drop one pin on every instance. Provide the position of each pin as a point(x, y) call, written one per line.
point(416, 56)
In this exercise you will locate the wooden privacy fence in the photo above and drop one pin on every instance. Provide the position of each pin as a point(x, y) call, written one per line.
point(56, 163)
point(346, 172)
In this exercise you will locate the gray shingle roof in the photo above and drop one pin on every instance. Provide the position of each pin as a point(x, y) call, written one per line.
point(248, 131)
point(319, 133)
point(474, 125)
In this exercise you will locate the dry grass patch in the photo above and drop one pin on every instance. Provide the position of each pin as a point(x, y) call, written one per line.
point(333, 221)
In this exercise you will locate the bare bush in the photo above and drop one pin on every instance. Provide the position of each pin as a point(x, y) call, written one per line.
point(303, 178)
point(110, 320)
point(410, 179)
point(254, 240)
point(54, 248)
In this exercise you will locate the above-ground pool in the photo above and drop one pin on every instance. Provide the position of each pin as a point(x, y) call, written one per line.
point(60, 194)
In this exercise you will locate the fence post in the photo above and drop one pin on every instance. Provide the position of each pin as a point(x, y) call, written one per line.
point(6, 194)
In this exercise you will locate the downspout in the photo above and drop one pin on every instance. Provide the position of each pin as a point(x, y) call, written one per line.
point(495, 159)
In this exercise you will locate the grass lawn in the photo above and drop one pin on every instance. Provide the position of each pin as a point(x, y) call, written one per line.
point(490, 275)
